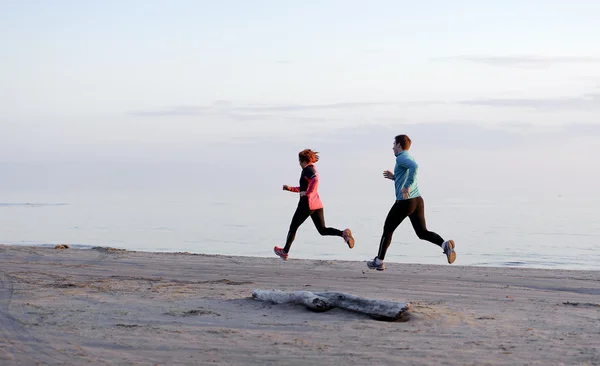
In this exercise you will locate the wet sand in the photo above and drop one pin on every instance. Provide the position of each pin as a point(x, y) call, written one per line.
point(101, 307)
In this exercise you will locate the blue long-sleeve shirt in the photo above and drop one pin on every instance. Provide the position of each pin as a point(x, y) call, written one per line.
point(405, 175)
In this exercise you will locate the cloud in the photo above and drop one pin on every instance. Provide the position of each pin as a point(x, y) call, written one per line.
point(174, 111)
point(222, 104)
point(590, 101)
point(300, 107)
point(227, 107)
point(522, 60)
point(347, 144)
point(373, 50)
point(242, 117)
point(457, 135)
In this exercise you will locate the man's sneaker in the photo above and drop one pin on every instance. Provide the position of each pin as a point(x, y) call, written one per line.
point(347, 235)
point(448, 248)
point(376, 263)
point(279, 251)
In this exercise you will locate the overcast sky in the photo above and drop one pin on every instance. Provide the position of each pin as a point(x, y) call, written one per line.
point(206, 80)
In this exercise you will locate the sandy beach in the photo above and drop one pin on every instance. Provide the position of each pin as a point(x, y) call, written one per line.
point(100, 307)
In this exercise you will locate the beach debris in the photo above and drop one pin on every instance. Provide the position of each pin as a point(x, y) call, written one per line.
point(323, 301)
point(61, 246)
point(585, 304)
point(108, 249)
point(193, 312)
point(230, 282)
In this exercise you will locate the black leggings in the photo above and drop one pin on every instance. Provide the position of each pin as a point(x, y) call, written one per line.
point(302, 213)
point(414, 209)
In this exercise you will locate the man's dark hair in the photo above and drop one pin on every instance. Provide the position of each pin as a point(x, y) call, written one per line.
point(404, 141)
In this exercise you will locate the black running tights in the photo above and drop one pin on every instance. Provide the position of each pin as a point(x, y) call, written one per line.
point(302, 213)
point(414, 209)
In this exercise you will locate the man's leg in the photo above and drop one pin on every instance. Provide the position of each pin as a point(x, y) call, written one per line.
point(399, 211)
point(395, 216)
point(417, 218)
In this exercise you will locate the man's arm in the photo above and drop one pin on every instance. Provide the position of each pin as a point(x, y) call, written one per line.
point(411, 173)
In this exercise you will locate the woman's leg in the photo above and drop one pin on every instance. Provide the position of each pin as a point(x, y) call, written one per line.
point(302, 213)
point(318, 218)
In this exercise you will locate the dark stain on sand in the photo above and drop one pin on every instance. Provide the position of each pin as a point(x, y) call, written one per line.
point(193, 312)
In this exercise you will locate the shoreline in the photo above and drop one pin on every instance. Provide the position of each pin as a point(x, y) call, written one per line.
point(75, 306)
point(388, 261)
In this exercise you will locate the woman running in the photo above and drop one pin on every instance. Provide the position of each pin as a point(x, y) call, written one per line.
point(409, 203)
point(309, 205)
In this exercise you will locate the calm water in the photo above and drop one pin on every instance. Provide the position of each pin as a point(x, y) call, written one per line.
point(542, 232)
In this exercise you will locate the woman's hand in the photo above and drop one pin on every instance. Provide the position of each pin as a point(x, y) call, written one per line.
point(286, 187)
point(387, 174)
point(303, 193)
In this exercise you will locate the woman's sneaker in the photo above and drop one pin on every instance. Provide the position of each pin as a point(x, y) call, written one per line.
point(376, 263)
point(347, 235)
point(279, 251)
point(448, 248)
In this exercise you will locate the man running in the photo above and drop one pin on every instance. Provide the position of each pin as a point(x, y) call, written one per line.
point(409, 203)
point(309, 205)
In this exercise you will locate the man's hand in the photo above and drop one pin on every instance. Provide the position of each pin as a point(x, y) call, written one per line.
point(303, 193)
point(387, 174)
point(405, 193)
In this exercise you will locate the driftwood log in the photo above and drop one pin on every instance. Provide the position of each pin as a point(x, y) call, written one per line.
point(324, 301)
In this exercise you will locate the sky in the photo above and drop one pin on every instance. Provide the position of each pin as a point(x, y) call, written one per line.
point(231, 83)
